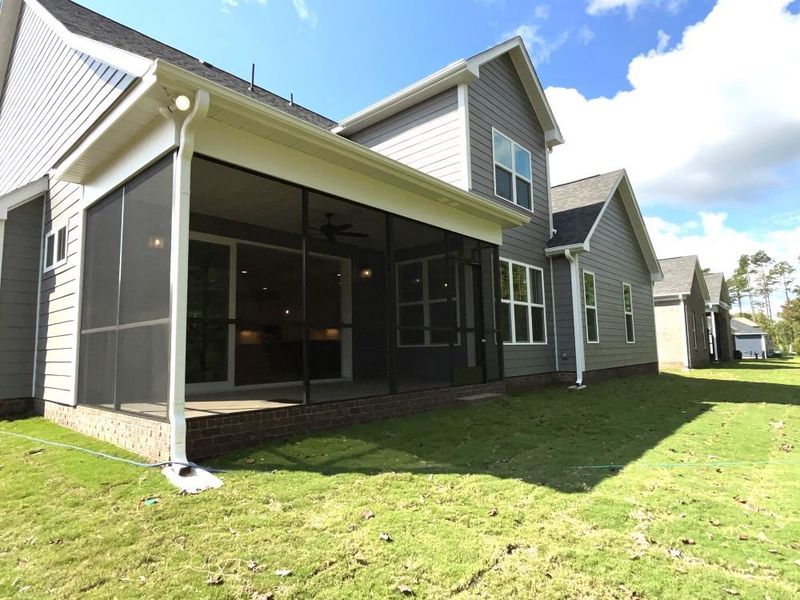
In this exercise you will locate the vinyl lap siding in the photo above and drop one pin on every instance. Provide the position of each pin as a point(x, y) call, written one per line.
point(58, 308)
point(615, 258)
point(427, 137)
point(497, 99)
point(18, 289)
point(52, 94)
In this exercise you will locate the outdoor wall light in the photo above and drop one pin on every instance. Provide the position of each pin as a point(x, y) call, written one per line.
point(156, 242)
point(182, 103)
point(243, 272)
point(365, 273)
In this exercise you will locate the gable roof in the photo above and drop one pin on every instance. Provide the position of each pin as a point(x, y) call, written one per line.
point(579, 206)
point(715, 282)
point(744, 326)
point(462, 71)
point(679, 275)
point(86, 23)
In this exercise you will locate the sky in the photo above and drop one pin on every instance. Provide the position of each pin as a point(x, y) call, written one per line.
point(698, 99)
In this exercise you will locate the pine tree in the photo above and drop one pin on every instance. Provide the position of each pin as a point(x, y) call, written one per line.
point(761, 267)
point(783, 273)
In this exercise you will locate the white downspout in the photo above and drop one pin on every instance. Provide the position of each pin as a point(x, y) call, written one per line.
point(179, 264)
point(577, 317)
point(685, 332)
point(714, 335)
point(2, 241)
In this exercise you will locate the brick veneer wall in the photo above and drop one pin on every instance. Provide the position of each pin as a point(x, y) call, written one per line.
point(13, 408)
point(143, 436)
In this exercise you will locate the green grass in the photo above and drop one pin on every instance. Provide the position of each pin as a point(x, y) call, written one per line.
point(485, 501)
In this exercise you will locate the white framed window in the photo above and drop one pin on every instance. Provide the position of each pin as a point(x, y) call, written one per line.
point(694, 330)
point(55, 248)
point(522, 318)
point(423, 311)
point(590, 308)
point(627, 306)
point(512, 171)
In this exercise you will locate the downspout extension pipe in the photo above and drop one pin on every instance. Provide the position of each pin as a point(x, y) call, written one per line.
point(577, 318)
point(181, 191)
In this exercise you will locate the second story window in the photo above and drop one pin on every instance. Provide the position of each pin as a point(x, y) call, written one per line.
point(512, 171)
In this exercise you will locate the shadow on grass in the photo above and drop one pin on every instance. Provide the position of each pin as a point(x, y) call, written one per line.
point(540, 437)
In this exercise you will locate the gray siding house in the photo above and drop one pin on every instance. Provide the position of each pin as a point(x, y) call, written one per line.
point(750, 339)
point(184, 255)
point(681, 301)
point(719, 317)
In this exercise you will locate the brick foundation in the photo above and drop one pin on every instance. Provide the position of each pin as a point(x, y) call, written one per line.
point(143, 436)
point(217, 434)
point(213, 435)
point(14, 408)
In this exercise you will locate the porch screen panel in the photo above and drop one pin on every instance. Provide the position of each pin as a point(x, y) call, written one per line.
point(98, 343)
point(124, 349)
point(143, 344)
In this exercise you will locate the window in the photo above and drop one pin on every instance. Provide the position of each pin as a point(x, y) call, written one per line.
point(694, 329)
point(590, 308)
point(55, 248)
point(627, 303)
point(423, 311)
point(522, 301)
point(512, 170)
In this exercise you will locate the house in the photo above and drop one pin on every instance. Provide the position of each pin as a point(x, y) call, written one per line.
point(719, 317)
point(680, 300)
point(604, 267)
point(192, 263)
point(750, 339)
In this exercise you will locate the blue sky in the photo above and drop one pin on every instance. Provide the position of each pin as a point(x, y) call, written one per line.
point(704, 129)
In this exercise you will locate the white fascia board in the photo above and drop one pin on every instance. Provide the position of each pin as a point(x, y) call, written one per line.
point(338, 148)
point(133, 64)
point(574, 248)
point(22, 195)
point(72, 167)
point(451, 76)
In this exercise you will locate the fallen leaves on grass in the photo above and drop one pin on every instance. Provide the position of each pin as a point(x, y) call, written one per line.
point(688, 541)
point(714, 522)
point(787, 447)
point(217, 579)
point(386, 537)
point(254, 566)
point(730, 591)
point(743, 537)
point(405, 590)
point(367, 515)
point(283, 572)
point(492, 512)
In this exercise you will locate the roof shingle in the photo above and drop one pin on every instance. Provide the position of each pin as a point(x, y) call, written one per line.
point(87, 23)
point(678, 276)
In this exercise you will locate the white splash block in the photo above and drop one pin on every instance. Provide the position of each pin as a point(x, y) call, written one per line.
point(191, 480)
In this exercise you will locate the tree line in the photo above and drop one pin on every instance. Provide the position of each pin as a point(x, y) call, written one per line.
point(756, 279)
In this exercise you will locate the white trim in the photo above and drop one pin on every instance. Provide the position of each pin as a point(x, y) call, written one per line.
point(626, 312)
point(514, 173)
point(2, 245)
point(529, 304)
point(587, 307)
point(553, 304)
point(23, 195)
point(714, 337)
point(577, 314)
point(55, 233)
point(179, 267)
point(133, 64)
point(463, 71)
point(466, 151)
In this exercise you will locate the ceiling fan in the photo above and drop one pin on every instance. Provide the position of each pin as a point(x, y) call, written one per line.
point(331, 231)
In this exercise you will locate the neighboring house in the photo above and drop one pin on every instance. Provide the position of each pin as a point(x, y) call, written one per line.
point(191, 263)
point(719, 317)
point(681, 299)
point(750, 339)
point(604, 267)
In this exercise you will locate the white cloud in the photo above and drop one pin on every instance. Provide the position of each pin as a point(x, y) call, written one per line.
point(228, 5)
point(714, 120)
point(584, 35)
point(597, 7)
point(542, 11)
point(539, 46)
point(663, 41)
point(305, 13)
point(719, 245)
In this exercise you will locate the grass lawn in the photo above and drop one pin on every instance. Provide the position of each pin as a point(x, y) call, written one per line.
point(491, 501)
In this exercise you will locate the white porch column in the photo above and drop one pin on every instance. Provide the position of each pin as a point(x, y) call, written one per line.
point(714, 334)
point(179, 267)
